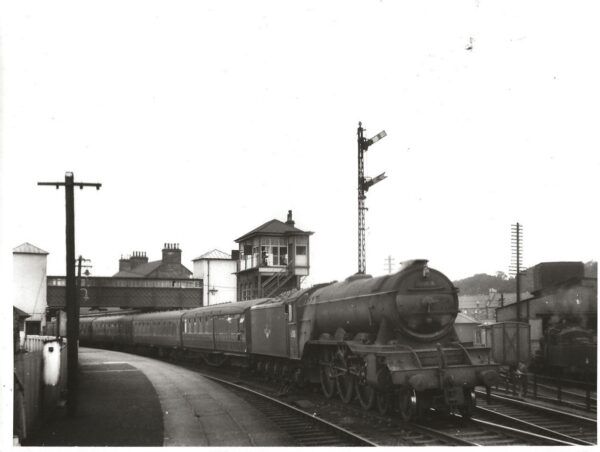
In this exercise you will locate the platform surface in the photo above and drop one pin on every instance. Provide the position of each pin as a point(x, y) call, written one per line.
point(129, 400)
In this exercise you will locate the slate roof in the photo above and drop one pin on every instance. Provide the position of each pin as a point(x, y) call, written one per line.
point(28, 248)
point(273, 227)
point(464, 318)
point(214, 254)
point(141, 271)
point(470, 301)
point(20, 313)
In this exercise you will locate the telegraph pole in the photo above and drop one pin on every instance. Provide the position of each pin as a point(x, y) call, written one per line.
point(71, 289)
point(363, 186)
point(389, 261)
point(517, 261)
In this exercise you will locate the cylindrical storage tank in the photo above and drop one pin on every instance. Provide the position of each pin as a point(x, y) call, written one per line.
point(51, 363)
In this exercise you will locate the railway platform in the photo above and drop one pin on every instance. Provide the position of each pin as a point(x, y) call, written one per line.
point(129, 400)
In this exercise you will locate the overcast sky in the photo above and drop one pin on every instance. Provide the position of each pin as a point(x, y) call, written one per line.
point(203, 120)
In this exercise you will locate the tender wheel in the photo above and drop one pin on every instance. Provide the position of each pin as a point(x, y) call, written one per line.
point(468, 408)
point(327, 378)
point(384, 402)
point(366, 396)
point(407, 403)
point(345, 387)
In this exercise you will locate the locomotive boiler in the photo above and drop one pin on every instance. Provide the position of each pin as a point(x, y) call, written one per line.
point(417, 303)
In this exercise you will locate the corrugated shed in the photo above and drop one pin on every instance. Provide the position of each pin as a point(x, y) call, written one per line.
point(214, 254)
point(28, 248)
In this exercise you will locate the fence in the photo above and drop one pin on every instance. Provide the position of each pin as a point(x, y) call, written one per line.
point(33, 400)
point(573, 393)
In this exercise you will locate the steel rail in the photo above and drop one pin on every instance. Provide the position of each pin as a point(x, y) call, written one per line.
point(538, 407)
point(530, 427)
point(336, 428)
point(521, 433)
point(559, 424)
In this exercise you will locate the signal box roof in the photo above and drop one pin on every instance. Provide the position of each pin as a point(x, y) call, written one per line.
point(274, 227)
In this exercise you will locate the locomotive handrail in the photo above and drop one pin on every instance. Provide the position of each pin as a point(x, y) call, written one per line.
point(426, 289)
point(462, 347)
point(354, 297)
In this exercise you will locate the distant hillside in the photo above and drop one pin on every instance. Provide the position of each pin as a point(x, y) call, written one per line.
point(482, 283)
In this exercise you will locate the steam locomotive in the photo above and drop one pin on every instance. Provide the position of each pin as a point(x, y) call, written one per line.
point(388, 341)
point(567, 350)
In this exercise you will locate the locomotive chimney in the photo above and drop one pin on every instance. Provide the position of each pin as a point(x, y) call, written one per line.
point(289, 221)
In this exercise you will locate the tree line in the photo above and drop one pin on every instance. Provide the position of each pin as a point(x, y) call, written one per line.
point(481, 283)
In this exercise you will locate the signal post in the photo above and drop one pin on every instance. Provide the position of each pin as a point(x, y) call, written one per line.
point(363, 186)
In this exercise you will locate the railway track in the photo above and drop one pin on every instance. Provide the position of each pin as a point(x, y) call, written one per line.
point(354, 426)
point(550, 422)
point(301, 426)
point(478, 432)
point(312, 420)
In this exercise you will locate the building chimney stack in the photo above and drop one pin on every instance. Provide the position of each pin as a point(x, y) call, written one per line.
point(138, 258)
point(124, 264)
point(289, 221)
point(171, 253)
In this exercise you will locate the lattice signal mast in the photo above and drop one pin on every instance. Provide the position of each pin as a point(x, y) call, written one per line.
point(516, 264)
point(363, 186)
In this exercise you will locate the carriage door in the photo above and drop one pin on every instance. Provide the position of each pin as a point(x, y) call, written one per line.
point(292, 330)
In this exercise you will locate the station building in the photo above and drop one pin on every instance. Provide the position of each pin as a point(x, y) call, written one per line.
point(139, 284)
point(273, 258)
